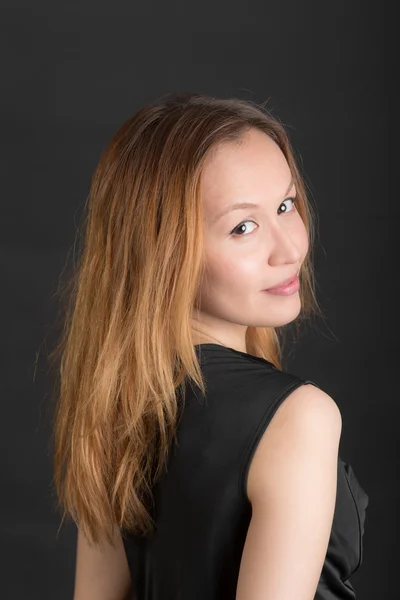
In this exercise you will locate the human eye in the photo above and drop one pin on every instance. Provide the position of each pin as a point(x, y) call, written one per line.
point(292, 200)
point(233, 232)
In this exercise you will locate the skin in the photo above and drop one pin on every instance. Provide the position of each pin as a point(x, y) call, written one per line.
point(268, 248)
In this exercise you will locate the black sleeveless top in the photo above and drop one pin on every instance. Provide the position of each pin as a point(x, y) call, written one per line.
point(201, 508)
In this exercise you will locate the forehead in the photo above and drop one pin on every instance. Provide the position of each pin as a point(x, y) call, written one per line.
point(253, 169)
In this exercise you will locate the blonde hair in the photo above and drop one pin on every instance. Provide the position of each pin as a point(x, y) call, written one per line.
point(126, 350)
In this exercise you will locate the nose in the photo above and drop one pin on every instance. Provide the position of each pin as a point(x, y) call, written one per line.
point(284, 249)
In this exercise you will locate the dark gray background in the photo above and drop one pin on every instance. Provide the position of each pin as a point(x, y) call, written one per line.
point(71, 74)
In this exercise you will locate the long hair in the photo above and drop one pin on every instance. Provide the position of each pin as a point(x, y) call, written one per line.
point(126, 350)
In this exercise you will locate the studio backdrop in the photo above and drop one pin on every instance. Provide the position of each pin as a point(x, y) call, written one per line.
point(72, 73)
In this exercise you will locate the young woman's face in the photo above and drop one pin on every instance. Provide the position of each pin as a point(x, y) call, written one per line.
point(248, 249)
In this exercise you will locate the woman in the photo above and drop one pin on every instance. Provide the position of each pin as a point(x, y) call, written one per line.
point(194, 466)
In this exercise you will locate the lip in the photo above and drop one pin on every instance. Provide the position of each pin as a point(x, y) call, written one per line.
point(284, 283)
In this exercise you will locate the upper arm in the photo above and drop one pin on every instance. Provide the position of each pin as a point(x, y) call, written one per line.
point(101, 573)
point(291, 484)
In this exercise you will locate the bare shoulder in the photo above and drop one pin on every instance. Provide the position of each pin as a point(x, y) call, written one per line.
point(308, 416)
point(308, 404)
point(291, 485)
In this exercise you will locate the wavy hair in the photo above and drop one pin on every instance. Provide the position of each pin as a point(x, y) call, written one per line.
point(126, 348)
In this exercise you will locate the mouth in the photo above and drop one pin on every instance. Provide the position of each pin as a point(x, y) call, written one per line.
point(284, 283)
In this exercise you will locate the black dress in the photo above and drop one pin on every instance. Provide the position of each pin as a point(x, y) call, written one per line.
point(201, 507)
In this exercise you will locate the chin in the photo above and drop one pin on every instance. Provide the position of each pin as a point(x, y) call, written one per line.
point(283, 317)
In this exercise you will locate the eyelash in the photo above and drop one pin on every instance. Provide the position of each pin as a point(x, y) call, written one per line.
point(294, 200)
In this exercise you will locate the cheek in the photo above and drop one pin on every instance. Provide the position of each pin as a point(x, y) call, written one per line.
point(303, 243)
point(234, 272)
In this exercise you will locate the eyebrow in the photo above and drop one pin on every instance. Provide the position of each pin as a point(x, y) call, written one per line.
point(238, 205)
